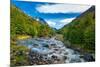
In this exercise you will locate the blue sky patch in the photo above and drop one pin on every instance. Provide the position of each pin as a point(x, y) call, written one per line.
point(55, 14)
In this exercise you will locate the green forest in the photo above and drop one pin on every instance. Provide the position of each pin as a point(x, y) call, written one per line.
point(21, 24)
point(81, 31)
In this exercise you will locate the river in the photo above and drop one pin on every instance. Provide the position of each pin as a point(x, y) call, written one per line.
point(50, 48)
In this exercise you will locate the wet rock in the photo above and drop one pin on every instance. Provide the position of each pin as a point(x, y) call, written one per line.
point(53, 45)
point(56, 49)
point(65, 53)
point(88, 57)
point(35, 45)
point(65, 57)
point(38, 59)
point(54, 57)
point(46, 45)
point(58, 60)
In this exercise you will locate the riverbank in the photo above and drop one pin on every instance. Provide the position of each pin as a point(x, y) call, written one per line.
point(46, 50)
point(88, 55)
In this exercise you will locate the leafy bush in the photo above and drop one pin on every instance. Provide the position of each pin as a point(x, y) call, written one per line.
point(19, 55)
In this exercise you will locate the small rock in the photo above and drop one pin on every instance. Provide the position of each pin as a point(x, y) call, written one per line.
point(65, 57)
point(54, 57)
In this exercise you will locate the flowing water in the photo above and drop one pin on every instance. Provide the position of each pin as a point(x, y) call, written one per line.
point(52, 48)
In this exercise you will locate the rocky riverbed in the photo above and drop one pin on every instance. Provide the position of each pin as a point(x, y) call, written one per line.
point(50, 51)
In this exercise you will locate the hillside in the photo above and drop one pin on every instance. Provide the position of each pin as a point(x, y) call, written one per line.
point(22, 24)
point(81, 31)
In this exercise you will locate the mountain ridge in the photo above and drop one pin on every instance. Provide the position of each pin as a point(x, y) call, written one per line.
point(27, 25)
point(81, 31)
point(91, 9)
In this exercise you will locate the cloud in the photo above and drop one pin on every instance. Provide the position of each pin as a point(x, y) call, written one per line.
point(67, 20)
point(62, 8)
point(58, 23)
point(51, 23)
point(64, 22)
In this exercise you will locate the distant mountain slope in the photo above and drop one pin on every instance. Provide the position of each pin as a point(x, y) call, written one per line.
point(81, 31)
point(22, 24)
point(41, 20)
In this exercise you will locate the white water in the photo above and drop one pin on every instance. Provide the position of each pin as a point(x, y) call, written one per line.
point(52, 47)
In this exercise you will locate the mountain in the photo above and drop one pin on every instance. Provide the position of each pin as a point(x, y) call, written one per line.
point(40, 20)
point(22, 24)
point(81, 31)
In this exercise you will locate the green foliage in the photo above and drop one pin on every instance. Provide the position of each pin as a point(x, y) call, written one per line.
point(89, 38)
point(23, 24)
point(45, 31)
point(75, 36)
point(19, 55)
point(81, 31)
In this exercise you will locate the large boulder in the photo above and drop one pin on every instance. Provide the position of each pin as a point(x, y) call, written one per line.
point(88, 57)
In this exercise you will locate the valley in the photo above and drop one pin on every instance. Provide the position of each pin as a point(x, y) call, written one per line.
point(34, 42)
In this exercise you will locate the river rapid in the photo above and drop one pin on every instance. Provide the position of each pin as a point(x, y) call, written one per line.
point(52, 50)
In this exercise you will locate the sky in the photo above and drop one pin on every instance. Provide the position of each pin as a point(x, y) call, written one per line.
point(55, 14)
